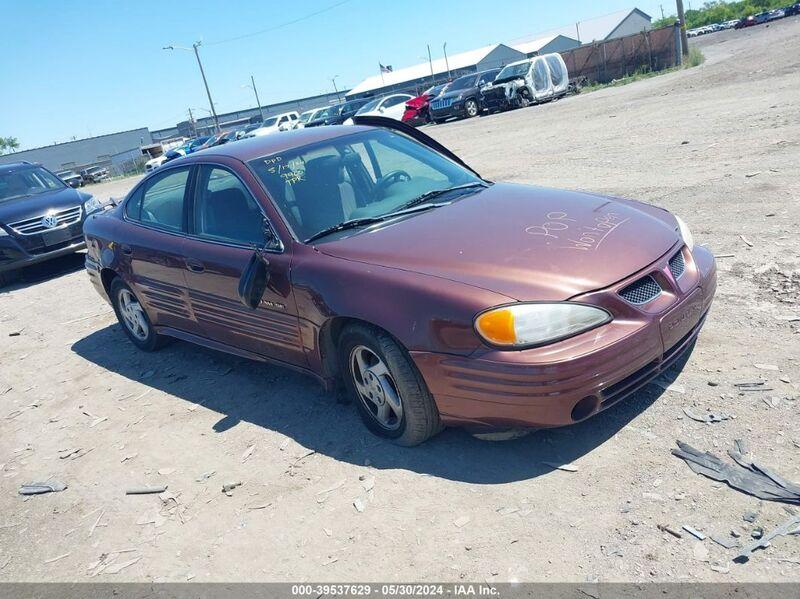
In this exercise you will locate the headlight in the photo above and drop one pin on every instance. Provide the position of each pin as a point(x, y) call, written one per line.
point(685, 233)
point(527, 325)
point(92, 205)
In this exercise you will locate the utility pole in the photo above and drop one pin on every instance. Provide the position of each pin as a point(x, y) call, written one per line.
point(682, 21)
point(195, 46)
point(578, 29)
point(258, 102)
point(447, 64)
point(335, 89)
point(192, 122)
point(662, 11)
point(430, 62)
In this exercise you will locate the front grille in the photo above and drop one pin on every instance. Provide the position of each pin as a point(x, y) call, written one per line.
point(641, 291)
point(32, 226)
point(677, 265)
point(441, 104)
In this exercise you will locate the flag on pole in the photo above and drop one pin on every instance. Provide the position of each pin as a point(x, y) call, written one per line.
point(385, 69)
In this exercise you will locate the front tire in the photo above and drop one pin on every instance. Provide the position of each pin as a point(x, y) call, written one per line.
point(133, 318)
point(471, 108)
point(390, 394)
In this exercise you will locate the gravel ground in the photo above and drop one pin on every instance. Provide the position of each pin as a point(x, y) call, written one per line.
point(718, 144)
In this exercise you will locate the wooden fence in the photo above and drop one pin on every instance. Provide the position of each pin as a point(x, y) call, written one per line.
point(605, 61)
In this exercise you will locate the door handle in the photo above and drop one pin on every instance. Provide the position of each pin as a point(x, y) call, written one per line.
point(195, 266)
point(127, 250)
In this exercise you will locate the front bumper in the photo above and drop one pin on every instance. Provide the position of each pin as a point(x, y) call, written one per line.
point(574, 379)
point(16, 254)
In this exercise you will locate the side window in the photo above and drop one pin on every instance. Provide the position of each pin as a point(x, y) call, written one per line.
point(224, 209)
point(293, 116)
point(540, 75)
point(390, 160)
point(162, 202)
point(283, 120)
point(133, 207)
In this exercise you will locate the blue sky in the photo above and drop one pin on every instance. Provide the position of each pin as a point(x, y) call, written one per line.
point(80, 68)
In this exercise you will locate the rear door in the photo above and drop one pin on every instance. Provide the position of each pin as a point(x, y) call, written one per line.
point(152, 247)
point(225, 224)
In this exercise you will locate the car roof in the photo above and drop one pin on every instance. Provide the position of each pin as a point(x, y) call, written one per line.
point(256, 147)
point(11, 166)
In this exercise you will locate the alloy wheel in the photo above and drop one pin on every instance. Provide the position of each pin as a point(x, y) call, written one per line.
point(376, 388)
point(133, 315)
point(471, 108)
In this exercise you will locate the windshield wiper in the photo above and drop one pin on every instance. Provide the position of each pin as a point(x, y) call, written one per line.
point(369, 220)
point(438, 192)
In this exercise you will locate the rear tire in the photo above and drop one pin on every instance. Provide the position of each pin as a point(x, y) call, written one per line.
point(390, 394)
point(133, 318)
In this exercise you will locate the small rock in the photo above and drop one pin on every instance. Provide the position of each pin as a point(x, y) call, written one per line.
point(757, 533)
point(461, 522)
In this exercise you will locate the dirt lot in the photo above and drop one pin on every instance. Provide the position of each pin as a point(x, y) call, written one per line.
point(718, 144)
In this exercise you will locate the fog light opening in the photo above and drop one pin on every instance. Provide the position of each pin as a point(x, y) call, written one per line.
point(585, 408)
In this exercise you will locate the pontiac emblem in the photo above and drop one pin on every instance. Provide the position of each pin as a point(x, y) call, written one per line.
point(50, 221)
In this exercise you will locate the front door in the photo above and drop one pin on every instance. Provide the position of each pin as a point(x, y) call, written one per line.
point(151, 250)
point(225, 224)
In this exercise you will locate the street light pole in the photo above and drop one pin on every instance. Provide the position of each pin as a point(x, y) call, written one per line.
point(447, 64)
point(430, 62)
point(195, 46)
point(258, 102)
point(335, 89)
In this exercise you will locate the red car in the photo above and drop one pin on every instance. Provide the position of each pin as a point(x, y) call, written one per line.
point(372, 255)
point(418, 110)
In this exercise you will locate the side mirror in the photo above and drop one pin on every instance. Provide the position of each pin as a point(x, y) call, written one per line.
point(381, 109)
point(254, 280)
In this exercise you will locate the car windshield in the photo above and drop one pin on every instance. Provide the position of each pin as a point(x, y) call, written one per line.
point(27, 182)
point(351, 106)
point(198, 142)
point(270, 122)
point(514, 70)
point(324, 114)
point(369, 106)
point(358, 176)
point(462, 83)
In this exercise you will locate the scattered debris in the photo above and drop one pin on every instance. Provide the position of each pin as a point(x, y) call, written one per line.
point(146, 490)
point(461, 522)
point(564, 467)
point(787, 527)
point(694, 532)
point(757, 532)
point(329, 561)
point(747, 241)
point(753, 174)
point(205, 476)
point(96, 522)
point(771, 367)
point(724, 541)
point(359, 505)
point(672, 531)
point(117, 568)
point(751, 478)
point(42, 488)
point(166, 471)
point(707, 418)
point(721, 569)
point(228, 487)
point(248, 452)
point(130, 456)
point(750, 516)
point(55, 559)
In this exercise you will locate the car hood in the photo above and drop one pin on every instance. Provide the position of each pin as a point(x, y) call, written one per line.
point(38, 205)
point(527, 243)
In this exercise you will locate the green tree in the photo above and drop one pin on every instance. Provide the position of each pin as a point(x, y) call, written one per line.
point(8, 145)
point(718, 11)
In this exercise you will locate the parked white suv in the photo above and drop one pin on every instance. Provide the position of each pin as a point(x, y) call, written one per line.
point(392, 106)
point(526, 82)
point(279, 122)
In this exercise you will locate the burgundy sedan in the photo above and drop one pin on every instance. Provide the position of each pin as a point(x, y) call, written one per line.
point(372, 255)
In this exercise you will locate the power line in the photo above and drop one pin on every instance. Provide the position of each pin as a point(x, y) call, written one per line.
point(281, 25)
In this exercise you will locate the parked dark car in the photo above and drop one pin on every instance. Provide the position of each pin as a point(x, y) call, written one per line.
point(40, 217)
point(94, 174)
point(462, 98)
point(71, 178)
point(373, 255)
point(338, 114)
point(745, 22)
point(792, 9)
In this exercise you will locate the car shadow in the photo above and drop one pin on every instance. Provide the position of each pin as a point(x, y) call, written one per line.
point(295, 405)
point(45, 271)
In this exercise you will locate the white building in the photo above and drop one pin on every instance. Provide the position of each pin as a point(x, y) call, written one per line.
point(421, 76)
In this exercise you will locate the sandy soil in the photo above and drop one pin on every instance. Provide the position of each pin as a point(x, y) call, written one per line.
point(718, 144)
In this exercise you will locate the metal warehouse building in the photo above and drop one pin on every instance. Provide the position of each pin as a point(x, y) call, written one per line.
point(421, 76)
point(111, 150)
point(547, 45)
